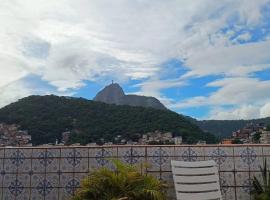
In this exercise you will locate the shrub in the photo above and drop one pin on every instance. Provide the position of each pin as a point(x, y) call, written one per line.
point(123, 183)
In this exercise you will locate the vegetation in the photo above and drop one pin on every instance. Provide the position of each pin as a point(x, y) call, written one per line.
point(261, 191)
point(224, 128)
point(46, 117)
point(268, 127)
point(124, 183)
point(237, 141)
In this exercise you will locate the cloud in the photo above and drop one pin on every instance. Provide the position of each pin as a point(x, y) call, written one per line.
point(243, 112)
point(237, 60)
point(231, 91)
point(155, 87)
point(67, 42)
point(234, 98)
point(265, 110)
point(13, 91)
point(243, 37)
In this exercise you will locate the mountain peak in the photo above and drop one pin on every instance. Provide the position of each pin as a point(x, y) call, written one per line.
point(114, 94)
point(110, 94)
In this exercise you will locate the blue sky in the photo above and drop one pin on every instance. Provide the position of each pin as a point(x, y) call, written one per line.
point(206, 59)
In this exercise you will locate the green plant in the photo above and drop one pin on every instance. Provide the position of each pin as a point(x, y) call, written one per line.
point(261, 191)
point(123, 183)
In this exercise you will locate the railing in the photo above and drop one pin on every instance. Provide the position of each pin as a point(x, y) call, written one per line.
point(55, 172)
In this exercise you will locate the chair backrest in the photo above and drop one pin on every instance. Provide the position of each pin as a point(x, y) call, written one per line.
point(196, 180)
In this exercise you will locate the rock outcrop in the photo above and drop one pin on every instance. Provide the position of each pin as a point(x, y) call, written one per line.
point(114, 94)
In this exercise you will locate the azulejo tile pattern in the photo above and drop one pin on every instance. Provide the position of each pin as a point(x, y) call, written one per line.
point(55, 173)
point(44, 187)
point(17, 158)
point(131, 156)
point(45, 158)
point(189, 155)
point(74, 157)
point(16, 187)
point(248, 156)
point(102, 157)
point(219, 156)
point(71, 186)
point(160, 156)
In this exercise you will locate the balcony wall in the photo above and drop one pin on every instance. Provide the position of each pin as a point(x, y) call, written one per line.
point(55, 173)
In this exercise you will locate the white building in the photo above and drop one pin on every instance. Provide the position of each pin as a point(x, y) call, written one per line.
point(265, 137)
point(177, 140)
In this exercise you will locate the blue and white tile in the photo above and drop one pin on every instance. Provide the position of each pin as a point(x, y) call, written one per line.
point(246, 157)
point(242, 193)
point(63, 194)
point(17, 163)
point(71, 186)
point(228, 193)
point(7, 195)
point(53, 195)
point(44, 189)
point(74, 159)
point(222, 156)
point(243, 179)
point(2, 152)
point(23, 152)
point(131, 155)
point(65, 166)
point(36, 179)
point(37, 152)
point(109, 152)
point(189, 153)
point(77, 152)
point(2, 164)
point(258, 175)
point(226, 179)
point(8, 179)
point(48, 193)
point(160, 150)
point(38, 166)
point(24, 179)
point(25, 195)
point(227, 164)
point(102, 157)
point(53, 165)
point(56, 152)
point(158, 157)
point(64, 178)
point(93, 163)
point(53, 178)
point(83, 165)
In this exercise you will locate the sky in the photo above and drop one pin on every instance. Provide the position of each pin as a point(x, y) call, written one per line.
point(207, 59)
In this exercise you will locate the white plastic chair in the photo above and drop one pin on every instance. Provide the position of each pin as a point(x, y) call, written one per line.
point(196, 180)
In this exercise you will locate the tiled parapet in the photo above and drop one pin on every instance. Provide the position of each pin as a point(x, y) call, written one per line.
point(55, 173)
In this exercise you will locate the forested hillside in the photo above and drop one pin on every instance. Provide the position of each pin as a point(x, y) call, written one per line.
point(46, 117)
point(224, 128)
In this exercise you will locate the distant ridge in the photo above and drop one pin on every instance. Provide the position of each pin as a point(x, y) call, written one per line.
point(114, 94)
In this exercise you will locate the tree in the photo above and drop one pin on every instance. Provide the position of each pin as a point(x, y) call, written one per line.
point(256, 137)
point(237, 141)
point(123, 183)
point(268, 127)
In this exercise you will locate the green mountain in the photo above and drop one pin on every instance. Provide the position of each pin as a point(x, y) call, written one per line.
point(224, 128)
point(46, 117)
